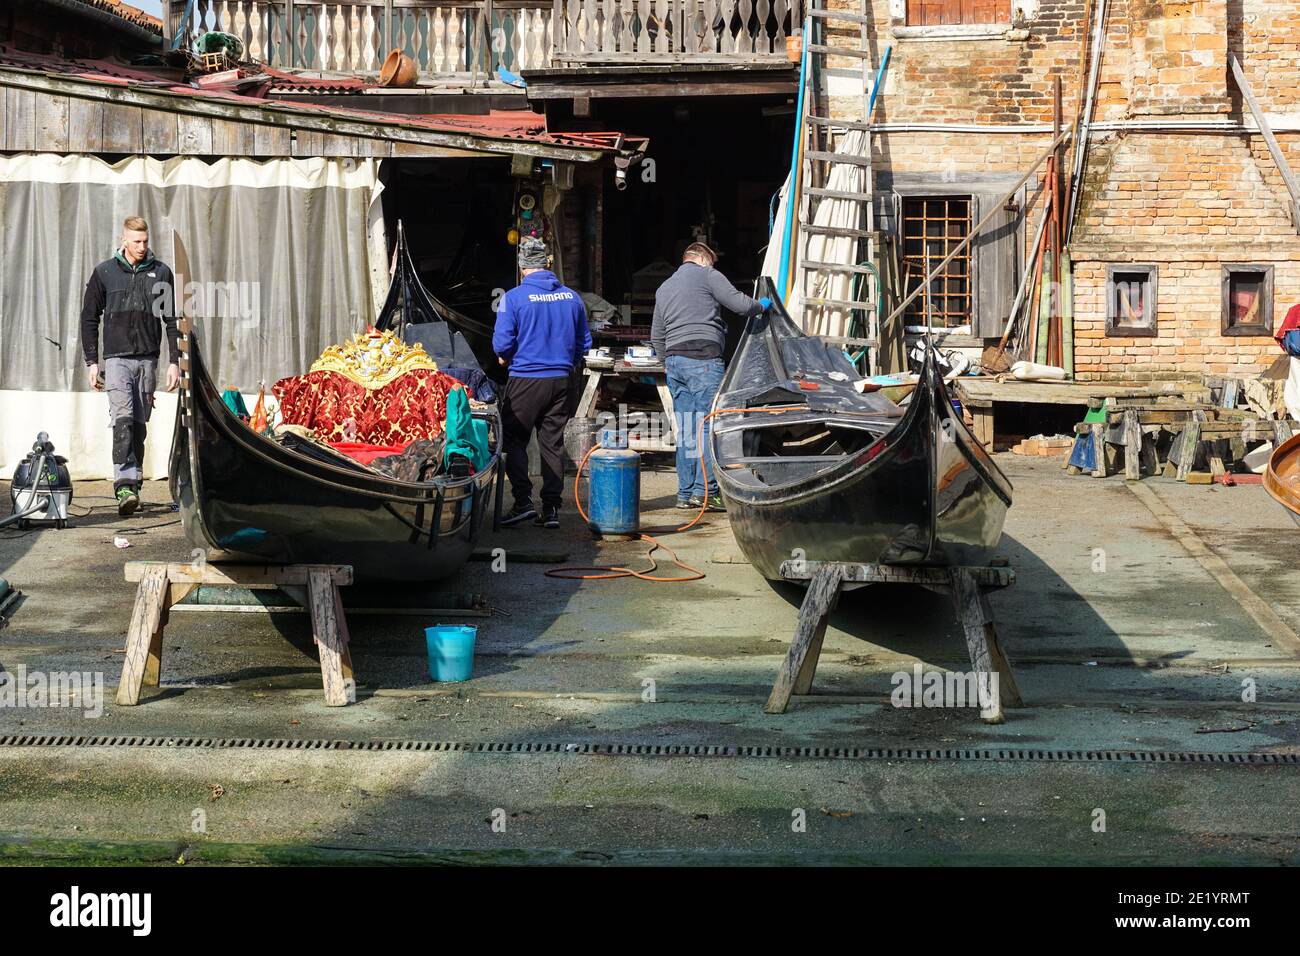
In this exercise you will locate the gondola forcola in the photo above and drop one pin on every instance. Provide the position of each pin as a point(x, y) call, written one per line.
point(247, 495)
point(812, 469)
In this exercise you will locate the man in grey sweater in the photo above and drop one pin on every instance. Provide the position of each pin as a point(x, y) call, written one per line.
point(689, 332)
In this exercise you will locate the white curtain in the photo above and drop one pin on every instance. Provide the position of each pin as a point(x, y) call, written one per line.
point(287, 256)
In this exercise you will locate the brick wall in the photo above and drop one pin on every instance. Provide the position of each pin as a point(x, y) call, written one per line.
point(1188, 202)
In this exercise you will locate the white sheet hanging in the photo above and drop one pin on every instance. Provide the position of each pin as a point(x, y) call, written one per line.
point(288, 256)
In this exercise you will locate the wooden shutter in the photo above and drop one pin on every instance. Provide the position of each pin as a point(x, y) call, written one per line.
point(942, 12)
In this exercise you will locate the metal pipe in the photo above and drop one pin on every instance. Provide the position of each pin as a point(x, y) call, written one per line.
point(792, 194)
point(1081, 144)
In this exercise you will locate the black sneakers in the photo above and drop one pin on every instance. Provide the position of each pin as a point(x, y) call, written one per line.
point(715, 503)
point(550, 517)
point(521, 512)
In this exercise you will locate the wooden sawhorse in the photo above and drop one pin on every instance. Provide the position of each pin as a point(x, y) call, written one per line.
point(163, 584)
point(966, 586)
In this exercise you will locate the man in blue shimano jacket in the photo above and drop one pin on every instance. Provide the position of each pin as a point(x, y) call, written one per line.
point(689, 331)
point(541, 334)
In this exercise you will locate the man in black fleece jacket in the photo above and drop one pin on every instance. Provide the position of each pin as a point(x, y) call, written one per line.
point(689, 332)
point(132, 293)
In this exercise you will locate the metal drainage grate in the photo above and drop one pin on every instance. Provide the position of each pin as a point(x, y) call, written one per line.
point(659, 750)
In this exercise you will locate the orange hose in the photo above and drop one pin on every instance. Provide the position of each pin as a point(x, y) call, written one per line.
point(609, 572)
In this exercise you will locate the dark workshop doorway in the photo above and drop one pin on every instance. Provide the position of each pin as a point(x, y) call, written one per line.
point(717, 163)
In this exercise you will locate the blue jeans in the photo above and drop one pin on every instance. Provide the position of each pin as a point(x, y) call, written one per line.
point(693, 384)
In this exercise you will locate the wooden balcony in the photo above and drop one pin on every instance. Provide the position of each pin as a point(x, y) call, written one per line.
point(471, 39)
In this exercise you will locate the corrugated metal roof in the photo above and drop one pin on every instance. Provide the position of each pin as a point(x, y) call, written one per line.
point(128, 13)
point(520, 125)
point(282, 82)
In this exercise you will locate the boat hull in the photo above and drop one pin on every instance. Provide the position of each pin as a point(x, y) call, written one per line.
point(926, 492)
point(248, 497)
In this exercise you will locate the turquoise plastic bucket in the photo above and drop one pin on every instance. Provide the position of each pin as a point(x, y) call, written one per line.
point(451, 651)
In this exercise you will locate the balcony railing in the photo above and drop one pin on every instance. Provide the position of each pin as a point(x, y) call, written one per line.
point(677, 31)
point(354, 36)
point(448, 37)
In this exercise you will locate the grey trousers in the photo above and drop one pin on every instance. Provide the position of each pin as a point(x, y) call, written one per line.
point(130, 383)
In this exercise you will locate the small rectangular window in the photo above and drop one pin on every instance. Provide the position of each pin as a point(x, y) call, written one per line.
point(932, 227)
point(1247, 300)
point(926, 13)
point(1131, 300)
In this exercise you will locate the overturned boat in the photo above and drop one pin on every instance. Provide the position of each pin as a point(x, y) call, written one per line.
point(810, 468)
point(293, 499)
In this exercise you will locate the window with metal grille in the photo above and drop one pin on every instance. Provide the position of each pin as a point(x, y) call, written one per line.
point(926, 13)
point(932, 227)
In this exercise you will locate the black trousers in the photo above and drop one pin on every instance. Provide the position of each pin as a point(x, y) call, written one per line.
point(542, 405)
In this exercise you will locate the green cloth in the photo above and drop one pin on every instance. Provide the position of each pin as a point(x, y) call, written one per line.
point(465, 436)
point(235, 402)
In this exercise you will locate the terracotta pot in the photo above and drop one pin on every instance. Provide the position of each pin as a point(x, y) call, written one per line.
point(399, 70)
point(794, 48)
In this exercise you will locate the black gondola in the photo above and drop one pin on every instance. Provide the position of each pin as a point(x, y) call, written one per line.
point(414, 314)
point(248, 496)
point(810, 468)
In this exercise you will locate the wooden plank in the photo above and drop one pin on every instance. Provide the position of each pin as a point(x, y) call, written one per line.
point(194, 134)
point(272, 141)
point(52, 123)
point(986, 654)
point(1132, 447)
point(925, 576)
point(161, 135)
point(345, 654)
point(85, 126)
point(1292, 188)
point(982, 416)
point(244, 575)
point(801, 662)
point(232, 138)
point(123, 128)
point(292, 117)
point(153, 663)
point(146, 618)
point(1099, 469)
point(329, 639)
point(1187, 446)
point(19, 128)
point(986, 390)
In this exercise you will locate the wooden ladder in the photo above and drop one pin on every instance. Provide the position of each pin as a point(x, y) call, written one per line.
point(819, 159)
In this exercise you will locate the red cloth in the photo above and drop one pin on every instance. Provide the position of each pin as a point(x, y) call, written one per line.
point(409, 408)
point(364, 453)
point(1292, 321)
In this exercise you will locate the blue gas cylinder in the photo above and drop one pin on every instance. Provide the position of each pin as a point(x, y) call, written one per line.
point(614, 486)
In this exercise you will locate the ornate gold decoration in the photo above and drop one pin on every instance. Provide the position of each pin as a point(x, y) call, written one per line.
point(373, 359)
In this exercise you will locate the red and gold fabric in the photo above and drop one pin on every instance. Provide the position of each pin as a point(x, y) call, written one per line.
point(373, 390)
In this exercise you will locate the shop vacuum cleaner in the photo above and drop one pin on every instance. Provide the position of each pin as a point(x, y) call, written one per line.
point(41, 489)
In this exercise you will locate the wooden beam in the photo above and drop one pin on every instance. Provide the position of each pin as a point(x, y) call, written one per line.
point(278, 114)
point(244, 575)
point(1274, 150)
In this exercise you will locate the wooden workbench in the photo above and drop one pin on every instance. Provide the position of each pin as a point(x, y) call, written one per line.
point(982, 394)
point(664, 441)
